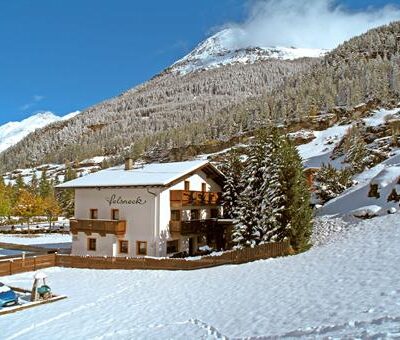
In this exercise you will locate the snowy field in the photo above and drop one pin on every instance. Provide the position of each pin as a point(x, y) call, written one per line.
point(346, 288)
point(43, 240)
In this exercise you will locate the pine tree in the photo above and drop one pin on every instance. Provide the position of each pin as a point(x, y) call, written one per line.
point(330, 182)
point(34, 184)
point(66, 196)
point(45, 187)
point(356, 152)
point(269, 228)
point(233, 186)
point(296, 214)
point(247, 212)
point(275, 202)
point(261, 199)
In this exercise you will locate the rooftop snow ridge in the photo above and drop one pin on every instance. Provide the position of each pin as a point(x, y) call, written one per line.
point(158, 174)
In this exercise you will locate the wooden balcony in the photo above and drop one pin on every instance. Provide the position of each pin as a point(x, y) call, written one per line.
point(102, 227)
point(192, 227)
point(181, 198)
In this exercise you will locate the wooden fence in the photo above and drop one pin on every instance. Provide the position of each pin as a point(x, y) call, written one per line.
point(265, 251)
point(20, 265)
point(230, 257)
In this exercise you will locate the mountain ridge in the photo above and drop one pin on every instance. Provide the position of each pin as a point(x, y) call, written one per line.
point(12, 132)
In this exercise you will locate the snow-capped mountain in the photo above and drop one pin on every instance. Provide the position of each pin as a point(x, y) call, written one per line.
point(221, 49)
point(11, 133)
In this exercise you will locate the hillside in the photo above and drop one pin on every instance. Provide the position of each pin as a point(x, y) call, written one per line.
point(174, 111)
point(162, 104)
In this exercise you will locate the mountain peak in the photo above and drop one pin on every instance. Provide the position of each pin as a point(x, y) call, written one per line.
point(222, 49)
point(12, 132)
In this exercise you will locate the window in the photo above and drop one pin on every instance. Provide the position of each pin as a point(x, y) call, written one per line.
point(123, 247)
point(194, 214)
point(214, 213)
point(187, 185)
point(203, 187)
point(115, 214)
point(91, 244)
point(175, 215)
point(94, 214)
point(172, 246)
point(141, 248)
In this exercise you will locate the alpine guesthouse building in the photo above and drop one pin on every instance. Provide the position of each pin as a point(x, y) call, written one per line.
point(151, 210)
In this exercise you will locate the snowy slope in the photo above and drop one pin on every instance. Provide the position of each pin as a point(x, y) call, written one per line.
point(355, 201)
point(320, 149)
point(220, 49)
point(11, 133)
point(346, 289)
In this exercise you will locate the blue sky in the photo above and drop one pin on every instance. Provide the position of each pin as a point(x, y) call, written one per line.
point(64, 55)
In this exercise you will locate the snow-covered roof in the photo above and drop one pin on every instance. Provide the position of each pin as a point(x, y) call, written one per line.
point(154, 174)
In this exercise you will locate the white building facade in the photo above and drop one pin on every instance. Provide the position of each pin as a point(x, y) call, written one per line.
point(154, 210)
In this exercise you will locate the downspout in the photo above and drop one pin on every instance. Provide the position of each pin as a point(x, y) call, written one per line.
point(156, 220)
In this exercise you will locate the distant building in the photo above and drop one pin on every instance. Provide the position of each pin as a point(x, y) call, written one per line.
point(154, 210)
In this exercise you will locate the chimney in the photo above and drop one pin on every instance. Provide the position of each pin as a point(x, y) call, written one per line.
point(128, 163)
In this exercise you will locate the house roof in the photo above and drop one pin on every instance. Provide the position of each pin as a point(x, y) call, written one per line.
point(154, 174)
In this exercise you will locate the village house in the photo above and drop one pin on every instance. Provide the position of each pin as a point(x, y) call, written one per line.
point(159, 209)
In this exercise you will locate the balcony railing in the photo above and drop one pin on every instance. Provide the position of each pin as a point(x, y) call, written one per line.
point(180, 198)
point(102, 227)
point(192, 227)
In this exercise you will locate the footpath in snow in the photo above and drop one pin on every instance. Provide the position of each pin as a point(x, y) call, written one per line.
point(347, 288)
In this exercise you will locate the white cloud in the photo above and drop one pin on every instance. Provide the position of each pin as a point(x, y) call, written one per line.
point(306, 23)
point(34, 100)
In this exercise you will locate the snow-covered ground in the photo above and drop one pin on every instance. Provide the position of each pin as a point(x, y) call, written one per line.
point(345, 289)
point(320, 149)
point(355, 200)
point(44, 240)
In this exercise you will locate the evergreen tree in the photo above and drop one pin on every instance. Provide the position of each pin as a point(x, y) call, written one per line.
point(355, 148)
point(45, 187)
point(247, 212)
point(296, 214)
point(275, 201)
point(330, 182)
point(232, 169)
point(260, 202)
point(66, 196)
point(271, 205)
point(34, 185)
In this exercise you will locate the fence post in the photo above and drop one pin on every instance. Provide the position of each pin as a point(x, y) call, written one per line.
point(34, 263)
point(10, 262)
